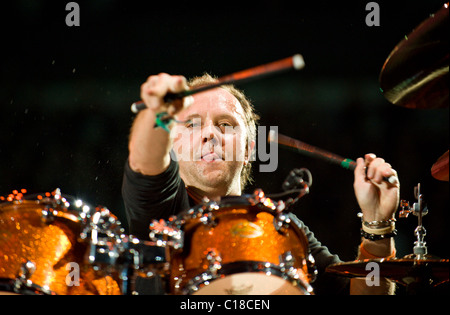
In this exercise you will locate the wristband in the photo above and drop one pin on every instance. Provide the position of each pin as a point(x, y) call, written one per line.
point(163, 122)
point(377, 237)
point(364, 254)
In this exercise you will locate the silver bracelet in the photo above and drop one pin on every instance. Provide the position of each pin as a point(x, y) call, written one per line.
point(377, 224)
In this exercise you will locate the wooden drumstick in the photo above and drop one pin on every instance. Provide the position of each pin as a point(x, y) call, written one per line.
point(295, 62)
point(312, 151)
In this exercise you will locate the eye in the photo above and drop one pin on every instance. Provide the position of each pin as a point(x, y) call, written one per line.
point(192, 123)
point(223, 125)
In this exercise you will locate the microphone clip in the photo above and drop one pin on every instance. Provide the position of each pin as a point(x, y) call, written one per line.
point(296, 184)
point(298, 179)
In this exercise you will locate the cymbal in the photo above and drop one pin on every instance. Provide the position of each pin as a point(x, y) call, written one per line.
point(439, 170)
point(415, 75)
point(401, 270)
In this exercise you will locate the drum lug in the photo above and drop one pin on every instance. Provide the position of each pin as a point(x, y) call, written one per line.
point(22, 280)
point(27, 270)
point(214, 260)
point(206, 211)
point(164, 235)
point(47, 215)
point(208, 219)
point(258, 197)
point(23, 284)
point(312, 269)
point(281, 222)
point(287, 260)
point(291, 273)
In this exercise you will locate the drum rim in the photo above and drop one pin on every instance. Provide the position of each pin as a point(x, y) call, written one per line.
point(71, 211)
point(196, 212)
point(201, 280)
point(22, 287)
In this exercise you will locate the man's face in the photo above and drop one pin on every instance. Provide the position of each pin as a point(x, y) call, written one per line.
point(211, 145)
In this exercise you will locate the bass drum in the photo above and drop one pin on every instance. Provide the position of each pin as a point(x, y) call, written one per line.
point(41, 251)
point(239, 246)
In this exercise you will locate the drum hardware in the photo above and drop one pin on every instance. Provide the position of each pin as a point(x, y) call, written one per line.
point(104, 233)
point(206, 210)
point(281, 222)
point(290, 273)
point(287, 261)
point(419, 210)
point(142, 253)
point(47, 215)
point(419, 272)
point(165, 235)
point(257, 197)
point(297, 182)
point(213, 261)
point(111, 252)
point(22, 283)
point(298, 179)
point(312, 268)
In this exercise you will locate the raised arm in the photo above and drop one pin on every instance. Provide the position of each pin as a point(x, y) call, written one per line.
point(149, 147)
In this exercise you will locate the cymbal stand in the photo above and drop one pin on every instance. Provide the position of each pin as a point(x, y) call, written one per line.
point(419, 210)
point(419, 278)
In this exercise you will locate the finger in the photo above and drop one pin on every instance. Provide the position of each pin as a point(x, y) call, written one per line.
point(160, 87)
point(188, 101)
point(369, 157)
point(178, 84)
point(382, 171)
point(148, 96)
point(389, 174)
point(360, 170)
point(372, 167)
point(157, 86)
point(148, 86)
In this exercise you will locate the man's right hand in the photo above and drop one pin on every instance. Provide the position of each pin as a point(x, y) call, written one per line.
point(157, 86)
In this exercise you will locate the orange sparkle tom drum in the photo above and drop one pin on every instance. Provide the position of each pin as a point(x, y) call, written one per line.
point(41, 249)
point(238, 246)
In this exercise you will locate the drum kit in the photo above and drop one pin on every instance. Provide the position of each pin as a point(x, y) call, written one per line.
point(54, 244)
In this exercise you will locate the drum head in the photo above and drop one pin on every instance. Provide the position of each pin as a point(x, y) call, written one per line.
point(250, 283)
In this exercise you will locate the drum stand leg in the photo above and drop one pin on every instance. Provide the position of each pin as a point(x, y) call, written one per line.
point(128, 280)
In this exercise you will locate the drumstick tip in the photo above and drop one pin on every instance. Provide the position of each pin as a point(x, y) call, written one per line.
point(298, 62)
point(134, 109)
point(272, 136)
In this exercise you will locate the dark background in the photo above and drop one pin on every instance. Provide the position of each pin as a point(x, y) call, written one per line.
point(65, 95)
